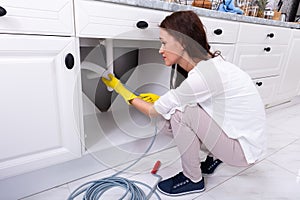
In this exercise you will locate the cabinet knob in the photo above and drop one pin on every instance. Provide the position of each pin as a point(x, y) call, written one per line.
point(142, 24)
point(267, 49)
point(69, 61)
point(218, 31)
point(2, 11)
point(270, 35)
point(259, 83)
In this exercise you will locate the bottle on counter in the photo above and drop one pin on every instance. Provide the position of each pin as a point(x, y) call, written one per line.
point(283, 17)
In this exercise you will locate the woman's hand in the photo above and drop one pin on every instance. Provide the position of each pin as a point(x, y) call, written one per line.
point(115, 84)
point(149, 97)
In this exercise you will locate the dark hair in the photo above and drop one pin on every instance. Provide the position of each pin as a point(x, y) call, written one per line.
point(188, 29)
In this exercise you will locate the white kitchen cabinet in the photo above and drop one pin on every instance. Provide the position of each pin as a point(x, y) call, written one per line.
point(263, 34)
point(260, 60)
point(96, 19)
point(40, 102)
point(261, 51)
point(220, 31)
point(266, 88)
point(290, 76)
point(53, 17)
point(222, 36)
point(227, 50)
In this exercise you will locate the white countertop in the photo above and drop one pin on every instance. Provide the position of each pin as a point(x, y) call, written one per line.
point(165, 6)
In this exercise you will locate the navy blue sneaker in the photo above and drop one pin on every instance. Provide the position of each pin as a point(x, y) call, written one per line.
point(209, 166)
point(180, 185)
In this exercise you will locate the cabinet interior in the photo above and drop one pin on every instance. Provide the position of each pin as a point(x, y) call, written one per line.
point(109, 123)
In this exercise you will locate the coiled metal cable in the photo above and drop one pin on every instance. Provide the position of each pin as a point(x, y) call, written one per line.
point(95, 189)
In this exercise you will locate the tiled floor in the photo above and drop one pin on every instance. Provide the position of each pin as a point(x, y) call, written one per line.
point(277, 176)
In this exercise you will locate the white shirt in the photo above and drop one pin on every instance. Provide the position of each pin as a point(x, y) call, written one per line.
point(229, 96)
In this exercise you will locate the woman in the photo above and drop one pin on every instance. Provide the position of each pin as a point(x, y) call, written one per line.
point(216, 106)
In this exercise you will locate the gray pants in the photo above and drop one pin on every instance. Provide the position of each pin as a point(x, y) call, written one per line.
point(193, 129)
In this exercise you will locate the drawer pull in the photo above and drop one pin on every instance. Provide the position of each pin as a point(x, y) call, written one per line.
point(218, 31)
point(142, 24)
point(270, 35)
point(259, 83)
point(267, 49)
point(2, 11)
point(69, 61)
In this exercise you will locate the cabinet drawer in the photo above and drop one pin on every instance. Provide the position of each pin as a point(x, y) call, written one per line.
point(37, 17)
point(260, 60)
point(108, 20)
point(266, 88)
point(261, 34)
point(219, 31)
point(227, 50)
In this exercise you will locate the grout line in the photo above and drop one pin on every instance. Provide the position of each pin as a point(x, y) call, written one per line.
point(287, 170)
point(206, 191)
point(264, 159)
point(270, 160)
point(276, 151)
point(54, 188)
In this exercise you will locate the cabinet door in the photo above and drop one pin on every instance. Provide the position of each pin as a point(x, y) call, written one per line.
point(53, 17)
point(40, 123)
point(266, 88)
point(290, 76)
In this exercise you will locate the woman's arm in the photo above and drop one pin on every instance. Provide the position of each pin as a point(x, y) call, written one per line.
point(145, 107)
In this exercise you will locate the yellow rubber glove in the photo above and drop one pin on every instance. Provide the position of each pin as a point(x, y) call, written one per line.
point(149, 97)
point(118, 87)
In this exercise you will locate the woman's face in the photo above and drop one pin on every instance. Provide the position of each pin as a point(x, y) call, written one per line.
point(171, 50)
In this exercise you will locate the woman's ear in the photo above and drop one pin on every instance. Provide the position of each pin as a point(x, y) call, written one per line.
point(182, 46)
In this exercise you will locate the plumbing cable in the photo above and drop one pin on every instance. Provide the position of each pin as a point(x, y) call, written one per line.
point(93, 190)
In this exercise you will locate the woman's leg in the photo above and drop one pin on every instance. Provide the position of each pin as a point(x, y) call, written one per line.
point(194, 127)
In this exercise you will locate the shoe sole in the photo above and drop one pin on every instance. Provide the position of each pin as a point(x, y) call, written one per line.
point(180, 194)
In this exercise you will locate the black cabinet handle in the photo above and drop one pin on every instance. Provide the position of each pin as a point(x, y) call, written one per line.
point(267, 49)
point(259, 83)
point(142, 24)
point(69, 61)
point(270, 35)
point(2, 11)
point(218, 31)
